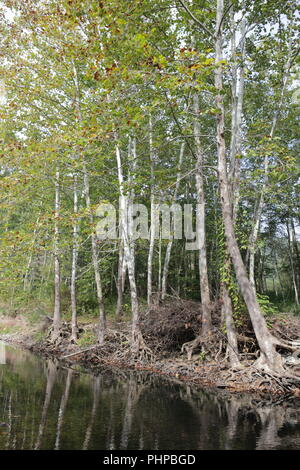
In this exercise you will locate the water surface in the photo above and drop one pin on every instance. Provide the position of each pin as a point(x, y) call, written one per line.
point(45, 406)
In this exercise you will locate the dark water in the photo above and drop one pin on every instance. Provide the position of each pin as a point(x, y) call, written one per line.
point(43, 406)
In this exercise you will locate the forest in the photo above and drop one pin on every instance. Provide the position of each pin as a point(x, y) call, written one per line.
point(150, 180)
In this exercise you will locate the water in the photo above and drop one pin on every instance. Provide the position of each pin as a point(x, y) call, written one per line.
point(45, 406)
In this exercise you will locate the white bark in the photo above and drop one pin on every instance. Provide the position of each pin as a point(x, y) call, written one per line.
point(128, 253)
point(57, 312)
point(74, 261)
point(122, 268)
point(203, 271)
point(121, 276)
point(238, 82)
point(153, 218)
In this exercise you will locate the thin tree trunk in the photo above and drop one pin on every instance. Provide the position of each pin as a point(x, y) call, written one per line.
point(203, 271)
point(129, 258)
point(102, 318)
point(261, 201)
point(57, 312)
point(232, 346)
point(122, 264)
point(27, 272)
point(153, 218)
point(86, 187)
point(278, 275)
point(291, 256)
point(170, 242)
point(297, 255)
point(238, 82)
point(121, 277)
point(159, 277)
point(74, 262)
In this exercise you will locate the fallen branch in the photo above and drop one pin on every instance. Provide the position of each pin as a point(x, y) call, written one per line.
point(80, 352)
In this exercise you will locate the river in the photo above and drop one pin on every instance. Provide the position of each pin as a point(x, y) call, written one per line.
point(46, 406)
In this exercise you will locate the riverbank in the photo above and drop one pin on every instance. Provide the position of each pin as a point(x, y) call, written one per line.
point(201, 370)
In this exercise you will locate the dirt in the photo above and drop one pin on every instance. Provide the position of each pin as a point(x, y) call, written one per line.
point(165, 329)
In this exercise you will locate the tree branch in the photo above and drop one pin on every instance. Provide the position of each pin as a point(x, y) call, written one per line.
point(196, 19)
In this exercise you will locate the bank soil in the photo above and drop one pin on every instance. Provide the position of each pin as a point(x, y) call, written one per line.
point(166, 330)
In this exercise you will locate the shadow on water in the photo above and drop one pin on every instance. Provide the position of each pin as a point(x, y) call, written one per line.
point(45, 406)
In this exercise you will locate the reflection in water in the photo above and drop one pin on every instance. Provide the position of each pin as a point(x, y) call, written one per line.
point(51, 375)
point(43, 406)
point(63, 404)
point(96, 396)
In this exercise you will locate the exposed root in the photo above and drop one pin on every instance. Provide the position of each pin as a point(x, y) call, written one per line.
point(139, 349)
point(191, 346)
point(259, 378)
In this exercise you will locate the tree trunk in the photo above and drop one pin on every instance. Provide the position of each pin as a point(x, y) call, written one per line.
point(203, 272)
point(261, 201)
point(86, 187)
point(121, 277)
point(129, 258)
point(102, 318)
point(57, 312)
point(269, 358)
point(28, 267)
point(153, 218)
point(170, 242)
point(74, 262)
point(291, 256)
point(232, 346)
point(297, 254)
point(238, 82)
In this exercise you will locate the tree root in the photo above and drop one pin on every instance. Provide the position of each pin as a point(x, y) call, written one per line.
point(139, 349)
point(190, 346)
point(287, 384)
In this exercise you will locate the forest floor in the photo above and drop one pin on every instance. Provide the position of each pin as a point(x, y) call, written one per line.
point(166, 328)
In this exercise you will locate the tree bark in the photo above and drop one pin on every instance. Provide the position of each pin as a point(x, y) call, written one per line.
point(86, 187)
point(238, 82)
point(57, 312)
point(129, 258)
point(291, 256)
point(170, 242)
point(269, 359)
point(203, 271)
point(153, 217)
point(121, 276)
point(74, 262)
point(261, 201)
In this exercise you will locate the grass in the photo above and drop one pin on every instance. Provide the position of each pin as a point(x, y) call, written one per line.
point(87, 339)
point(9, 329)
point(285, 304)
point(39, 336)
